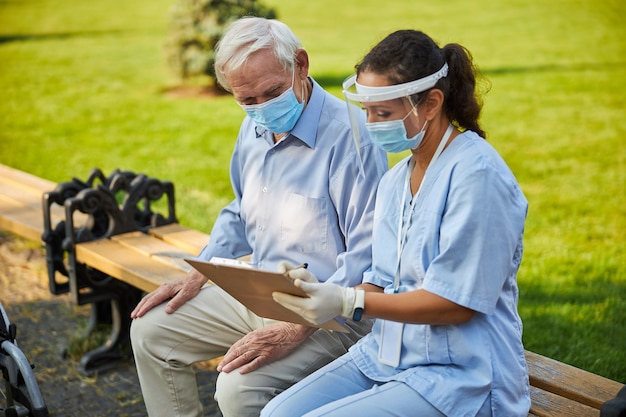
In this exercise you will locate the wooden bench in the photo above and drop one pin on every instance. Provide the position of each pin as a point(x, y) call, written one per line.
point(146, 259)
point(562, 390)
point(111, 274)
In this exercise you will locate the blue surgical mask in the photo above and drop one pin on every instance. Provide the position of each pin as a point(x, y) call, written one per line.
point(391, 136)
point(279, 114)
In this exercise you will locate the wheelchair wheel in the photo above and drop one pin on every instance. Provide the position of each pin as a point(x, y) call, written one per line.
point(19, 392)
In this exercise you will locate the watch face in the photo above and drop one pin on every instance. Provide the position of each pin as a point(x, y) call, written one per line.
point(358, 312)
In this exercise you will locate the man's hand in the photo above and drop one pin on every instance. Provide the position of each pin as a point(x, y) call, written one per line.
point(263, 346)
point(178, 292)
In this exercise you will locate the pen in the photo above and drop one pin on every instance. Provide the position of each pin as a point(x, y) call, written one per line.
point(304, 265)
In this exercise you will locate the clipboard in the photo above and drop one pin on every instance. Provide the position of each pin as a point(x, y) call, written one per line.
point(254, 287)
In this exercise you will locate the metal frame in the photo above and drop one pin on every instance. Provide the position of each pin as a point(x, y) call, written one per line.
point(106, 206)
point(20, 394)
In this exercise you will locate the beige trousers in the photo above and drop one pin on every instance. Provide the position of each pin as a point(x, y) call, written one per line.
point(166, 345)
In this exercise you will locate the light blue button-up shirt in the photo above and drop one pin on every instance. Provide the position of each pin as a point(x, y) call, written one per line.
point(464, 244)
point(302, 199)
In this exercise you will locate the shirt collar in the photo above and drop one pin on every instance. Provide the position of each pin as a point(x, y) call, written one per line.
point(306, 127)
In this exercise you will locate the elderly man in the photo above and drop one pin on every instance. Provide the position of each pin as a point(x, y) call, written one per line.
point(301, 194)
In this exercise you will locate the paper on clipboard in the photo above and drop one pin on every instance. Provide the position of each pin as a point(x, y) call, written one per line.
point(254, 287)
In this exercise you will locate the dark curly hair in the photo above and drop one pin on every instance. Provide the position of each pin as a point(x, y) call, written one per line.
point(408, 55)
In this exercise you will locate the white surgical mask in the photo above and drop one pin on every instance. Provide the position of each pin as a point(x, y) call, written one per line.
point(279, 114)
point(391, 136)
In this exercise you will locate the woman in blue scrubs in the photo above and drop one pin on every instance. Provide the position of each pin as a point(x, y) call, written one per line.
point(447, 245)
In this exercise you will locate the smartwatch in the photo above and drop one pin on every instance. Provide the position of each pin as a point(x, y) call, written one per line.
point(359, 304)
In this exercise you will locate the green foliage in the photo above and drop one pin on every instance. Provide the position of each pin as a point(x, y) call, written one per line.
point(196, 28)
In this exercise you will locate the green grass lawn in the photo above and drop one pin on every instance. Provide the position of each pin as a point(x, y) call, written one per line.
point(81, 86)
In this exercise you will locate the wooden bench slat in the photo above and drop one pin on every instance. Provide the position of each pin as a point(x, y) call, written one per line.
point(114, 259)
point(22, 220)
point(23, 224)
point(35, 204)
point(21, 209)
point(19, 195)
point(146, 245)
point(23, 179)
point(547, 404)
point(190, 240)
point(570, 382)
point(26, 219)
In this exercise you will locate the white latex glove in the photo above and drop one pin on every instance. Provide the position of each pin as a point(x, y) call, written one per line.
point(325, 302)
point(298, 273)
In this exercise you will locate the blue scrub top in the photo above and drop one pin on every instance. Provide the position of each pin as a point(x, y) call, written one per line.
point(464, 243)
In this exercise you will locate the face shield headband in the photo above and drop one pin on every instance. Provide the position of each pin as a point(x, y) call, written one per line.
point(367, 94)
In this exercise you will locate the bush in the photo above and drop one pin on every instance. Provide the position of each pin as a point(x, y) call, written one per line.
point(196, 27)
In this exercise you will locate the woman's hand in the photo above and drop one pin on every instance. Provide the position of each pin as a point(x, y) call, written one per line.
point(296, 273)
point(325, 301)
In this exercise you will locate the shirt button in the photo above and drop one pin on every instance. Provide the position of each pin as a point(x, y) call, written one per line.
point(264, 189)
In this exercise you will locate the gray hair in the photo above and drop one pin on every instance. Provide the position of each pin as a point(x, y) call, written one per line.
point(248, 35)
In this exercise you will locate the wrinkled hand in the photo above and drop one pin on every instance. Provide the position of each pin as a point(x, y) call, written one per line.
point(300, 273)
point(263, 346)
point(325, 302)
point(178, 292)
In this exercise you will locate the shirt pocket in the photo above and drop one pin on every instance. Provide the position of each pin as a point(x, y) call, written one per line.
point(438, 345)
point(304, 224)
point(426, 345)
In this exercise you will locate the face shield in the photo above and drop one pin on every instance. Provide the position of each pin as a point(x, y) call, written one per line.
point(355, 94)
